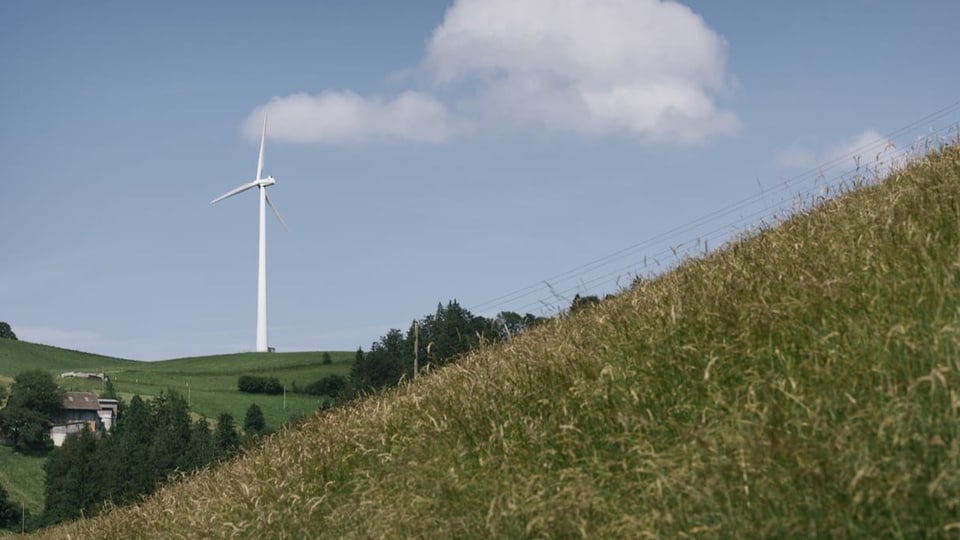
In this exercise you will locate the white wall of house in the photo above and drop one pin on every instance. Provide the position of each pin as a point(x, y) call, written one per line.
point(60, 432)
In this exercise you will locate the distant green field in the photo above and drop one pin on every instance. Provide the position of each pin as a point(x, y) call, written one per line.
point(17, 356)
point(208, 383)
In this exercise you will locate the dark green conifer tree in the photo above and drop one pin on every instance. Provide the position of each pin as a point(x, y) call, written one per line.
point(129, 472)
point(226, 438)
point(201, 450)
point(73, 478)
point(254, 424)
point(9, 511)
point(171, 433)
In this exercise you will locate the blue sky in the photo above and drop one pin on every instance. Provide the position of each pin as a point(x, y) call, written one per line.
point(505, 154)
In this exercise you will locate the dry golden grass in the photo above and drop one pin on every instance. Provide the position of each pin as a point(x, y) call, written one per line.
point(802, 382)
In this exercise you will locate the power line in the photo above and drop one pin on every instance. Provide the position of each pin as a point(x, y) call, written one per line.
point(548, 288)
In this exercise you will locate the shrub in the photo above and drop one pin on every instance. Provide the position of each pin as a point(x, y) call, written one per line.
point(331, 385)
point(252, 384)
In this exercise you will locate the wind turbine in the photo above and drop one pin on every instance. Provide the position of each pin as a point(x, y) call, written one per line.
point(262, 183)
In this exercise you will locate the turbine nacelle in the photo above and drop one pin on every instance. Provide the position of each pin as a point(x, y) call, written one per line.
point(262, 183)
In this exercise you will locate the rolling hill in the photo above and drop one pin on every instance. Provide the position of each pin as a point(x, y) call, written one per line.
point(803, 381)
point(210, 382)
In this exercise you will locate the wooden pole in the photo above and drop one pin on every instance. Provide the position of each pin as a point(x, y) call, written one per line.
point(416, 348)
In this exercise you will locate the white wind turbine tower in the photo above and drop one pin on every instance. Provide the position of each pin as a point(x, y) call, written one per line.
point(262, 183)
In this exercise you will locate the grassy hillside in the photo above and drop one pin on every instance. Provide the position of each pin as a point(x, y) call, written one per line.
point(22, 477)
point(803, 382)
point(17, 356)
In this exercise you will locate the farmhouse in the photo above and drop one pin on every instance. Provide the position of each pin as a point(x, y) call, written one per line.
point(85, 375)
point(82, 409)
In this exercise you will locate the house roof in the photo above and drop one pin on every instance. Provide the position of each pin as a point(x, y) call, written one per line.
point(81, 401)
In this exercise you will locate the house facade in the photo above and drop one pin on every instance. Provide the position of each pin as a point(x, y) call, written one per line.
point(82, 409)
point(108, 412)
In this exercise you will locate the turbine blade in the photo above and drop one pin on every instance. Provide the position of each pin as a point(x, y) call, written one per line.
point(275, 212)
point(263, 136)
point(234, 191)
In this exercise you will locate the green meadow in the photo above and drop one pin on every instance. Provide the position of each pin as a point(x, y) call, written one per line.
point(22, 477)
point(208, 383)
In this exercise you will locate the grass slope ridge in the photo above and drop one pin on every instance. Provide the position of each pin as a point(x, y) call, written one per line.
point(18, 356)
point(801, 382)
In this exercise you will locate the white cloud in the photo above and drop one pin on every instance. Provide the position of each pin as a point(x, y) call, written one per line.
point(594, 66)
point(646, 68)
point(336, 117)
point(870, 149)
point(795, 155)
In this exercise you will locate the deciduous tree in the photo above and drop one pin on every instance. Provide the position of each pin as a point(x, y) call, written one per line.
point(509, 323)
point(582, 302)
point(34, 399)
point(38, 391)
point(6, 332)
point(332, 385)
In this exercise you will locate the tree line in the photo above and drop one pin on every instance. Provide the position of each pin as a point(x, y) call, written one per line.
point(432, 341)
point(149, 442)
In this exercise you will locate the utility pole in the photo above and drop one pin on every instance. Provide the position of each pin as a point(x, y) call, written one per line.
point(416, 348)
